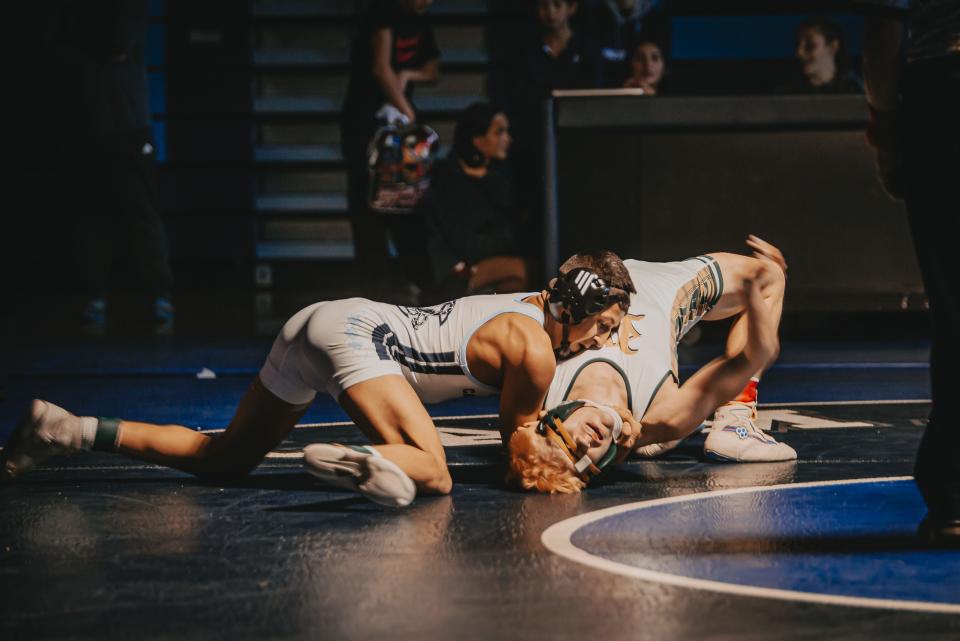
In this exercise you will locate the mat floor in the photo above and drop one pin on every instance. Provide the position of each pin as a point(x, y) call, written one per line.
point(101, 547)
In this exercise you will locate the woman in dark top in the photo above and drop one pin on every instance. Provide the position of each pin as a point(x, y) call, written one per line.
point(471, 215)
point(647, 67)
point(824, 64)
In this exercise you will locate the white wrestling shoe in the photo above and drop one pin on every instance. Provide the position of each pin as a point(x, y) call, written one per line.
point(46, 430)
point(361, 469)
point(735, 438)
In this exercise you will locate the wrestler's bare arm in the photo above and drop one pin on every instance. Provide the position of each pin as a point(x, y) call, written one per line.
point(677, 411)
point(514, 353)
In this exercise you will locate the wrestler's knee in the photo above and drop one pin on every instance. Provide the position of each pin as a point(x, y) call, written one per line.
point(769, 275)
point(215, 463)
point(440, 481)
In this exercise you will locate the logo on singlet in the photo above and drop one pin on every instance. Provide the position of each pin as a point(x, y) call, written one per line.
point(625, 335)
point(420, 315)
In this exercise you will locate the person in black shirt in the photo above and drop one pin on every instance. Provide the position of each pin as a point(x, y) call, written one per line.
point(554, 58)
point(470, 213)
point(614, 26)
point(561, 59)
point(822, 55)
point(647, 67)
point(394, 49)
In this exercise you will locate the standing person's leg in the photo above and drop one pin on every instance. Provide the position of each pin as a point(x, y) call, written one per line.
point(139, 200)
point(85, 178)
point(369, 233)
point(145, 236)
point(931, 165)
point(410, 236)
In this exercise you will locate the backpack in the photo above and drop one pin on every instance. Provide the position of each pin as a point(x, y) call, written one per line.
point(400, 158)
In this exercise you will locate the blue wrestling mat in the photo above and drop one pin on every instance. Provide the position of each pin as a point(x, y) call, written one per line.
point(840, 542)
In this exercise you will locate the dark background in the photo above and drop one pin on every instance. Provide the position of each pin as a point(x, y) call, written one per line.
point(244, 96)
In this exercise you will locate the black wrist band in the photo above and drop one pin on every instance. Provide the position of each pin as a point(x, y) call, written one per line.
point(108, 434)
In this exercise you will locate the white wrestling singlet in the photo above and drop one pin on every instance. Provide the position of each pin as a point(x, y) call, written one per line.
point(332, 345)
point(671, 298)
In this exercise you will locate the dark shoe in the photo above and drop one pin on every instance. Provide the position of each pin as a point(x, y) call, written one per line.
point(940, 530)
point(941, 526)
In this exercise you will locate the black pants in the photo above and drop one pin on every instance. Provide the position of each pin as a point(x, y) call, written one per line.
point(110, 191)
point(369, 231)
point(931, 172)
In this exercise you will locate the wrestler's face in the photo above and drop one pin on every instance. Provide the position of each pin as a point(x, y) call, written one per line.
point(647, 64)
point(417, 6)
point(591, 429)
point(495, 144)
point(593, 332)
point(555, 14)
point(815, 54)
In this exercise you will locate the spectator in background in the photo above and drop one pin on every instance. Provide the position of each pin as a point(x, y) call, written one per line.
point(472, 218)
point(394, 49)
point(824, 65)
point(561, 59)
point(612, 26)
point(647, 67)
point(554, 57)
point(104, 155)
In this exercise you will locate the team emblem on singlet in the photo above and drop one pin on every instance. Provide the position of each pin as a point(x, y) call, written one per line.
point(626, 334)
point(693, 301)
point(420, 315)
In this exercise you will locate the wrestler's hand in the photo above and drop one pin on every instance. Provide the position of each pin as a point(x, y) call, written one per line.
point(632, 431)
point(533, 424)
point(765, 251)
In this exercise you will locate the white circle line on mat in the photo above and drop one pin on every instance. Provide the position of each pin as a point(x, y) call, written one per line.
point(557, 539)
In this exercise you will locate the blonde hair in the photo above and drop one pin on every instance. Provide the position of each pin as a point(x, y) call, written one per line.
point(535, 464)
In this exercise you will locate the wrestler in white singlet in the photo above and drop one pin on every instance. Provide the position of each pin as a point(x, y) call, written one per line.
point(671, 298)
point(332, 345)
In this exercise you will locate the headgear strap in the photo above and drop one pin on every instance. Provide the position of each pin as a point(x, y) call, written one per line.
point(551, 426)
point(576, 295)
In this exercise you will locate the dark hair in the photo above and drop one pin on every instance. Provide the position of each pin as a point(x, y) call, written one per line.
point(608, 266)
point(473, 122)
point(656, 29)
point(831, 32)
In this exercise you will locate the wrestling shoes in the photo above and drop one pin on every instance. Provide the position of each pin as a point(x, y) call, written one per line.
point(45, 431)
point(361, 469)
point(734, 437)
